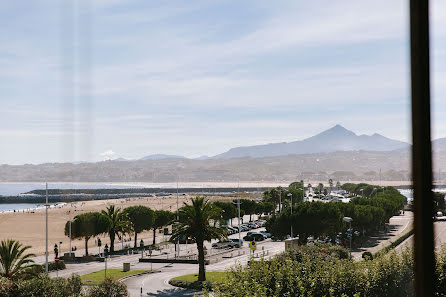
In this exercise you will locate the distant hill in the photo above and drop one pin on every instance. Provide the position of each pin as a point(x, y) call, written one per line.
point(439, 144)
point(334, 139)
point(161, 157)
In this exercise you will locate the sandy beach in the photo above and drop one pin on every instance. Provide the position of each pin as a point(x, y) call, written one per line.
point(29, 228)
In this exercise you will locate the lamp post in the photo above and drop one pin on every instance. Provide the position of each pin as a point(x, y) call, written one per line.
point(349, 220)
point(69, 230)
point(280, 199)
point(177, 243)
point(291, 223)
point(46, 228)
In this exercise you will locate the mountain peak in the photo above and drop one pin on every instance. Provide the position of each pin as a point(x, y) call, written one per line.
point(337, 130)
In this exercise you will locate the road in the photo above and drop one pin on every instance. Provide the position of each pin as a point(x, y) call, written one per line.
point(156, 284)
point(439, 237)
point(397, 225)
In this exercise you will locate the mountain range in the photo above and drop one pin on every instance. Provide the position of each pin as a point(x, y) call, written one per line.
point(335, 153)
point(334, 139)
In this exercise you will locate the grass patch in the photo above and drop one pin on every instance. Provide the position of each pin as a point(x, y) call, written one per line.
point(190, 281)
point(97, 277)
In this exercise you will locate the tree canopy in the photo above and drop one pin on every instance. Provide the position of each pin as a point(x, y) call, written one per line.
point(141, 218)
point(87, 225)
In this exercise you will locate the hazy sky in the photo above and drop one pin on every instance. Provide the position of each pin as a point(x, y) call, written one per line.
point(88, 80)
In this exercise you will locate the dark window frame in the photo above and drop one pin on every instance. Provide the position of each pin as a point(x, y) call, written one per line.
point(421, 148)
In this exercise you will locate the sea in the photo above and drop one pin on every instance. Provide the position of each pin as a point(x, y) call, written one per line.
point(12, 189)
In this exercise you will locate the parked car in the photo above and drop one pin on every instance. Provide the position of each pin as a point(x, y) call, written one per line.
point(252, 226)
point(224, 244)
point(239, 243)
point(230, 231)
point(326, 239)
point(244, 228)
point(267, 234)
point(251, 232)
point(254, 237)
point(234, 230)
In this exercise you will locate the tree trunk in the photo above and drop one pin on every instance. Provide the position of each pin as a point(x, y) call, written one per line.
point(86, 245)
point(154, 234)
point(136, 238)
point(201, 266)
point(250, 219)
point(112, 241)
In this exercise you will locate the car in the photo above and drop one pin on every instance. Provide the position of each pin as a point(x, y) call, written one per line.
point(251, 232)
point(252, 226)
point(244, 228)
point(230, 231)
point(254, 237)
point(224, 244)
point(267, 234)
point(238, 242)
point(234, 230)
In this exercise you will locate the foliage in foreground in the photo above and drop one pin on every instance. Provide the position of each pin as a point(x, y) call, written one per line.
point(44, 286)
point(15, 261)
point(310, 275)
point(109, 288)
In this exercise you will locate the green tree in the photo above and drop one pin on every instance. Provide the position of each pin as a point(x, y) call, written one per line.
point(195, 222)
point(87, 225)
point(320, 187)
point(161, 218)
point(229, 210)
point(141, 218)
point(119, 224)
point(272, 195)
point(248, 206)
point(338, 185)
point(330, 183)
point(14, 261)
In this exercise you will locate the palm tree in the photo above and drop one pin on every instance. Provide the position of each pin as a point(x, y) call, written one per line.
point(14, 261)
point(194, 222)
point(119, 224)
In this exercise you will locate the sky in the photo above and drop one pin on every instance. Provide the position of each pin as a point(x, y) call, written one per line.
point(93, 80)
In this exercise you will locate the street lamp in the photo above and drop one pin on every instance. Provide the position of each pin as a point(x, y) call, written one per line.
point(69, 230)
point(349, 220)
point(46, 228)
point(291, 223)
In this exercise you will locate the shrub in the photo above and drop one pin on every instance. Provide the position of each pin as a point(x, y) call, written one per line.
point(196, 285)
point(320, 275)
point(367, 256)
point(7, 287)
point(109, 288)
point(43, 286)
point(53, 266)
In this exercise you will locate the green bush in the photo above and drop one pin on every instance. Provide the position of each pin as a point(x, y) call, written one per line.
point(109, 288)
point(196, 285)
point(367, 256)
point(321, 275)
point(53, 266)
point(43, 286)
point(320, 251)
